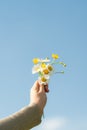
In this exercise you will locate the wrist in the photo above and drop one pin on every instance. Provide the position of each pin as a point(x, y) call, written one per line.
point(38, 106)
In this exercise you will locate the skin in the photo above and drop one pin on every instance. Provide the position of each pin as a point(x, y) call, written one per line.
point(38, 95)
point(29, 116)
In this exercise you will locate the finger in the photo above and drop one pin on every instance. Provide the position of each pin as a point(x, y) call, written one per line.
point(46, 88)
point(42, 88)
point(36, 86)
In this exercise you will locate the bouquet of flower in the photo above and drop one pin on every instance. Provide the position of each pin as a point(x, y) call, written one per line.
point(46, 68)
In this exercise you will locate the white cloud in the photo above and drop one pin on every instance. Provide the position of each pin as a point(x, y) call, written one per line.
point(61, 123)
point(54, 123)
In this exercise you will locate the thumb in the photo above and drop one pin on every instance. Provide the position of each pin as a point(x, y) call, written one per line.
point(36, 86)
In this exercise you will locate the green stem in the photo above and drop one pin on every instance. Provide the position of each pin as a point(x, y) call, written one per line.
point(61, 72)
point(64, 65)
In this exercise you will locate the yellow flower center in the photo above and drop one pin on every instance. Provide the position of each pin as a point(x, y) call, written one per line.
point(43, 79)
point(35, 60)
point(55, 56)
point(45, 71)
point(50, 68)
point(43, 65)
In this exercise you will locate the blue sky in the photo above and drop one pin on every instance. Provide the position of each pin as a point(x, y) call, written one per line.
point(31, 29)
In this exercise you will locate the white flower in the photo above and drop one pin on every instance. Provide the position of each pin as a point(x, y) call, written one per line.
point(44, 79)
point(36, 69)
point(45, 68)
point(50, 68)
point(44, 60)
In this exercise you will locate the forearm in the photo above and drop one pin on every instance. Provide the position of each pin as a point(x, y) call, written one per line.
point(25, 119)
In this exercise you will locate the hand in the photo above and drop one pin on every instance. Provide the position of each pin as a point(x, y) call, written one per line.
point(38, 95)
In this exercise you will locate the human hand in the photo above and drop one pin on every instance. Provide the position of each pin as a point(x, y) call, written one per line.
point(38, 95)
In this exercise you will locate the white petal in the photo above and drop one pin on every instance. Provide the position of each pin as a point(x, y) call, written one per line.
point(44, 60)
point(36, 69)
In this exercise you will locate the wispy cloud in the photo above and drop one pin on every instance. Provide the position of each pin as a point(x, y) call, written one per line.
point(54, 123)
point(62, 123)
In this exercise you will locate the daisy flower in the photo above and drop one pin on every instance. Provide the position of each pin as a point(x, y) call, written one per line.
point(46, 68)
